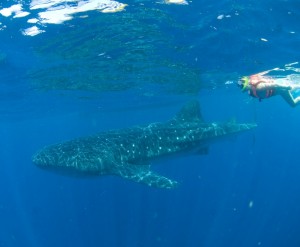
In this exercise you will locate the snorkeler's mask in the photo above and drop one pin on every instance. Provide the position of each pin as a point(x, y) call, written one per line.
point(244, 82)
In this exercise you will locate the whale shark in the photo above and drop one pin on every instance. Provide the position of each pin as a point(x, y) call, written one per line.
point(129, 152)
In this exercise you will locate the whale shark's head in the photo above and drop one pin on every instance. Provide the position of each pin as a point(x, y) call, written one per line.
point(64, 158)
point(46, 158)
point(57, 156)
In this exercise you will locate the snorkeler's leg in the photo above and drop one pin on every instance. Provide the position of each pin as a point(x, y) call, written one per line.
point(297, 100)
point(296, 87)
point(288, 97)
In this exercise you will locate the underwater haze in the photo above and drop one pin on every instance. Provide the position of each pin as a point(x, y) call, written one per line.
point(74, 68)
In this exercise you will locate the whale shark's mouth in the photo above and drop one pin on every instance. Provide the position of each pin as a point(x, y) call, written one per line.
point(38, 159)
point(41, 159)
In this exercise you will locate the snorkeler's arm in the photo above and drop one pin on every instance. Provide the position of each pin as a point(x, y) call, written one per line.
point(267, 71)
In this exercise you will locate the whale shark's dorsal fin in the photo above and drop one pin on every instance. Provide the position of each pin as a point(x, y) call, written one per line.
point(190, 112)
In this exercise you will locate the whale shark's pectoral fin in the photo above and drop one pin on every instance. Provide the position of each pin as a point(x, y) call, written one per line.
point(142, 174)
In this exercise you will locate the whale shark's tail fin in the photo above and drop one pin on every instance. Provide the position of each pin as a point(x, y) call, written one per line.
point(142, 174)
point(190, 112)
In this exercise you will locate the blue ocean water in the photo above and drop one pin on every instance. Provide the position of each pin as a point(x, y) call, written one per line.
point(102, 71)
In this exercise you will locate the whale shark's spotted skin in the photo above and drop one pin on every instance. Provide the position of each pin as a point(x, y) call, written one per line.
point(128, 152)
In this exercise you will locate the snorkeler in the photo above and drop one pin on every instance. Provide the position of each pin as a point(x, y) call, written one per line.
point(261, 87)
